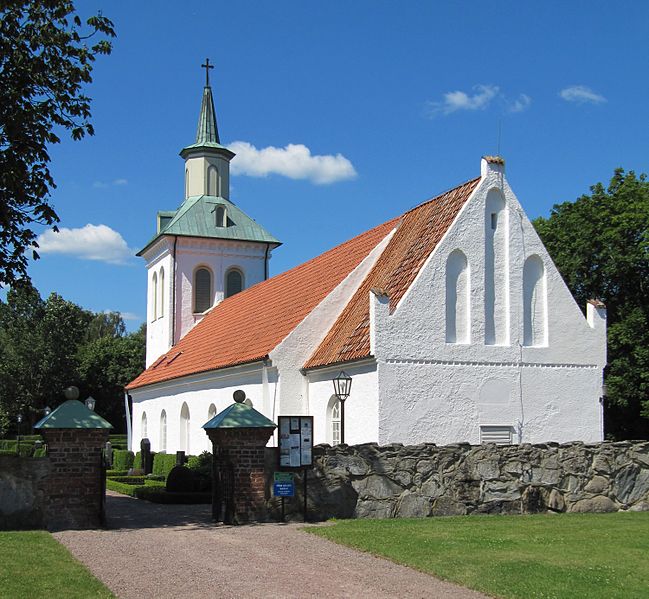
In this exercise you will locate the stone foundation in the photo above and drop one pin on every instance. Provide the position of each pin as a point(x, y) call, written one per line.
point(368, 481)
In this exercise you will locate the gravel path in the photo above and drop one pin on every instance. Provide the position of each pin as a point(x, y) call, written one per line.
point(159, 551)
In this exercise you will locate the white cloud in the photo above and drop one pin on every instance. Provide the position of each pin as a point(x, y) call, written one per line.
point(581, 95)
point(459, 100)
point(124, 315)
point(92, 242)
point(294, 161)
point(520, 104)
point(104, 185)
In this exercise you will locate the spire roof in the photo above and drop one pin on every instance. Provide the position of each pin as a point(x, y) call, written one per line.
point(207, 131)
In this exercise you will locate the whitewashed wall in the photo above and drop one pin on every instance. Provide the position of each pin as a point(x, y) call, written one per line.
point(199, 391)
point(431, 390)
point(361, 408)
point(218, 256)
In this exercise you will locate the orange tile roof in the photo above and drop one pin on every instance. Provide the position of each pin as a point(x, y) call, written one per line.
point(246, 327)
point(419, 232)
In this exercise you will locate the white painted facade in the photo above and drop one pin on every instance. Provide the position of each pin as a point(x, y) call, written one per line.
point(487, 340)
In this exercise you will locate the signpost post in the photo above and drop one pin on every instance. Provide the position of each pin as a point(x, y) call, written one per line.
point(296, 447)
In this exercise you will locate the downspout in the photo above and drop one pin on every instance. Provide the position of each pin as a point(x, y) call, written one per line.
point(173, 294)
point(266, 262)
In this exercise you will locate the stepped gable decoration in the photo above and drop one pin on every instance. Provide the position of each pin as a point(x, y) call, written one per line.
point(247, 326)
point(419, 232)
point(72, 414)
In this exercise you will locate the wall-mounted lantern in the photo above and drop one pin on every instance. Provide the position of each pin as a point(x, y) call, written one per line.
point(342, 388)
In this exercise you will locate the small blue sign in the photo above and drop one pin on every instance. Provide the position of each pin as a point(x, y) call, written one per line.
point(284, 489)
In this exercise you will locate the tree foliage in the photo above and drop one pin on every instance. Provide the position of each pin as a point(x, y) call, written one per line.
point(600, 244)
point(47, 345)
point(45, 61)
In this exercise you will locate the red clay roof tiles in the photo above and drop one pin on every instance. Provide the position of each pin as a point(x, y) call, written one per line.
point(417, 235)
point(247, 326)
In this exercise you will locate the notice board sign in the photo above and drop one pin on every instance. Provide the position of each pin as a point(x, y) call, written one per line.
point(283, 484)
point(295, 441)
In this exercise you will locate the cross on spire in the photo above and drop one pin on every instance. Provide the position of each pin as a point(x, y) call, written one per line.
point(207, 66)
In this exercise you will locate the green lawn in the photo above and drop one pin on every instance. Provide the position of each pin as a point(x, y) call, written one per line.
point(34, 564)
point(568, 555)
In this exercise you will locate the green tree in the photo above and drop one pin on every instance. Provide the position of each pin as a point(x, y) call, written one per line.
point(106, 365)
point(39, 341)
point(47, 345)
point(600, 244)
point(45, 61)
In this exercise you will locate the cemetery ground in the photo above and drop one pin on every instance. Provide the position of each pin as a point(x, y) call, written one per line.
point(560, 556)
point(154, 550)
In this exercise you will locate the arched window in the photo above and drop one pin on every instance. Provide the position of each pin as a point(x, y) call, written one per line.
point(162, 292)
point(186, 182)
point(211, 412)
point(145, 430)
point(184, 428)
point(458, 311)
point(202, 290)
point(220, 216)
point(233, 282)
point(154, 296)
point(333, 417)
point(163, 431)
point(534, 302)
point(213, 181)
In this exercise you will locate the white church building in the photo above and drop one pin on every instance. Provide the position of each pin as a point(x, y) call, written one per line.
point(451, 319)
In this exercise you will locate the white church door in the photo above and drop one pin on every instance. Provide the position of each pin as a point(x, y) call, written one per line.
point(184, 429)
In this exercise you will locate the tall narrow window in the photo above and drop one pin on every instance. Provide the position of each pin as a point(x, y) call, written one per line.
point(184, 429)
point(534, 302)
point(212, 181)
point(333, 420)
point(211, 412)
point(220, 216)
point(186, 182)
point(162, 292)
point(202, 290)
point(233, 282)
point(163, 431)
point(154, 296)
point(145, 429)
point(458, 309)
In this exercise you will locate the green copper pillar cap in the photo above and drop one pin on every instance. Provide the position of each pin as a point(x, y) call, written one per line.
point(72, 414)
point(239, 415)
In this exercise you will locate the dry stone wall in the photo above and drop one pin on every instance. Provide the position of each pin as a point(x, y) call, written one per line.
point(368, 481)
point(23, 492)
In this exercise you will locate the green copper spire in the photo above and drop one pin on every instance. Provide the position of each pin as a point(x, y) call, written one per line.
point(207, 131)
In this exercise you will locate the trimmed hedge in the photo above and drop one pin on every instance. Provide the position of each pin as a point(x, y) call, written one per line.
point(122, 488)
point(163, 463)
point(159, 495)
point(138, 481)
point(113, 473)
point(122, 459)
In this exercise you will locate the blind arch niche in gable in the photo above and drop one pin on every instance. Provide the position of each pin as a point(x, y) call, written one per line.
point(202, 289)
point(534, 302)
point(458, 307)
point(233, 282)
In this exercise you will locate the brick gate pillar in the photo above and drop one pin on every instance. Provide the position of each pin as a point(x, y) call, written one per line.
point(239, 436)
point(75, 437)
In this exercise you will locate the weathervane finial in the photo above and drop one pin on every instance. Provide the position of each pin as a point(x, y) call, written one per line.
point(207, 66)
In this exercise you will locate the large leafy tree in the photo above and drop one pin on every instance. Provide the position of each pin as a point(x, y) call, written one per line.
point(46, 59)
point(47, 345)
point(600, 244)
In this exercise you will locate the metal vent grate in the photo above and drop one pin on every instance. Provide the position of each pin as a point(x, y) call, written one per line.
point(500, 435)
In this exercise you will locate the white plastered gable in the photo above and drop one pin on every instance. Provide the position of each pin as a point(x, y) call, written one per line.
point(433, 390)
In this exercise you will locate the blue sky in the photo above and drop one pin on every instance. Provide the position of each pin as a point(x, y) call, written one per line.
point(400, 99)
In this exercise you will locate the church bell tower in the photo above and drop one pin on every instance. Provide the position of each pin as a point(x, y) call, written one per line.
point(207, 249)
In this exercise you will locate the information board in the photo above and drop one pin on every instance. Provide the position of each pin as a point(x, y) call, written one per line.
point(295, 441)
point(284, 484)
